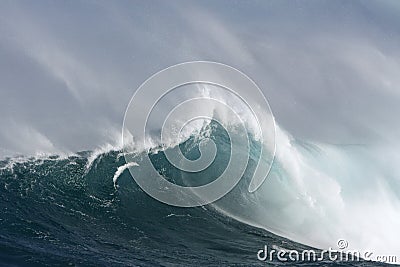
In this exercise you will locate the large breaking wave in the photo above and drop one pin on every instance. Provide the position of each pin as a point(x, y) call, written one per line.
point(86, 209)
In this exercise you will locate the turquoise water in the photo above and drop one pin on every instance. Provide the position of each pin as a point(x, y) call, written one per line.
point(66, 211)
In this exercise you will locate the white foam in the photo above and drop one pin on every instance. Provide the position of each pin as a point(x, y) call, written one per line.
point(120, 170)
point(321, 193)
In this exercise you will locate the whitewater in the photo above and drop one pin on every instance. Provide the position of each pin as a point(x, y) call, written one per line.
point(314, 195)
point(317, 194)
point(76, 208)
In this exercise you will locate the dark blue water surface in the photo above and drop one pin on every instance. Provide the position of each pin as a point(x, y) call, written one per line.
point(67, 212)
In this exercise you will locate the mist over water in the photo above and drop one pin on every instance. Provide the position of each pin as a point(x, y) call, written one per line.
point(329, 72)
point(67, 71)
point(84, 207)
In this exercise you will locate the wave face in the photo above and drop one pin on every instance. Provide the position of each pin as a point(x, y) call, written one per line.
point(86, 210)
point(59, 211)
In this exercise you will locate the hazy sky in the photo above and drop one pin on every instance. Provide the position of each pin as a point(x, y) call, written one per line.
point(330, 69)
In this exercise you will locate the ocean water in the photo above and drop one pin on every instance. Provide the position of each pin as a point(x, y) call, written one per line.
point(67, 211)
